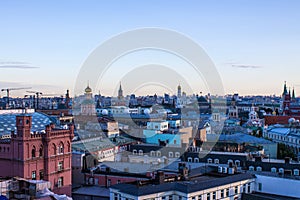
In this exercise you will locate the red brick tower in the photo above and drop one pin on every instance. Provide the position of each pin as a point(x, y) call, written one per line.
point(44, 155)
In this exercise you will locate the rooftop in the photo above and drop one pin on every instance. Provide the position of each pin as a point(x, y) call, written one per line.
point(93, 190)
point(8, 122)
point(238, 138)
point(198, 184)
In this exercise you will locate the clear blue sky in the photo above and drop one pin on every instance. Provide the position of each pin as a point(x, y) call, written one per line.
point(254, 44)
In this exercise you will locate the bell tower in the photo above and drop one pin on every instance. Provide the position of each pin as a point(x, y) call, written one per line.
point(23, 123)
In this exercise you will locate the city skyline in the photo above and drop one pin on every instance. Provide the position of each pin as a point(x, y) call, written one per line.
point(253, 45)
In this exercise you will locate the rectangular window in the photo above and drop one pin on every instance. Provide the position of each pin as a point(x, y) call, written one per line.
point(236, 189)
point(244, 188)
point(108, 182)
point(41, 174)
point(222, 193)
point(214, 196)
point(118, 182)
point(33, 175)
point(227, 192)
point(60, 182)
point(60, 165)
point(170, 197)
point(193, 198)
point(249, 188)
point(200, 197)
point(208, 196)
point(115, 196)
point(260, 186)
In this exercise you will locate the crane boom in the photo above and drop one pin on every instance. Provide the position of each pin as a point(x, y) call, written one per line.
point(9, 89)
point(37, 93)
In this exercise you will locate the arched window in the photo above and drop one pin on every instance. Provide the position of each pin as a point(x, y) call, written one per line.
point(170, 154)
point(196, 160)
point(134, 152)
point(33, 151)
point(273, 169)
point(53, 149)
point(281, 170)
point(41, 151)
point(229, 161)
point(259, 169)
point(140, 152)
point(237, 163)
point(158, 154)
point(190, 159)
point(251, 168)
point(69, 147)
point(61, 148)
point(216, 161)
point(152, 153)
point(296, 172)
point(209, 160)
point(177, 155)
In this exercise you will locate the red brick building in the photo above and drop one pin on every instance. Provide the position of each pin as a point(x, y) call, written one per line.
point(39, 155)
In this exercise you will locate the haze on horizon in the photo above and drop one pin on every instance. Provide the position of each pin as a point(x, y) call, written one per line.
point(254, 45)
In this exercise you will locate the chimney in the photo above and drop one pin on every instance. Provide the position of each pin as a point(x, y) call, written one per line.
point(183, 170)
point(160, 177)
point(287, 160)
point(258, 159)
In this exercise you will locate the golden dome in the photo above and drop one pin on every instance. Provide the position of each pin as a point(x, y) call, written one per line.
point(88, 89)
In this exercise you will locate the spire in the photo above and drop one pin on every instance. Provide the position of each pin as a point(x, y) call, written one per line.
point(284, 89)
point(293, 94)
point(120, 92)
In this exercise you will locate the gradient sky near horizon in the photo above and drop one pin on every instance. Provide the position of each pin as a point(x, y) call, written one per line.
point(254, 44)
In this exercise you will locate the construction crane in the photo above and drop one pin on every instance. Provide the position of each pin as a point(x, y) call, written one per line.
point(37, 95)
point(8, 92)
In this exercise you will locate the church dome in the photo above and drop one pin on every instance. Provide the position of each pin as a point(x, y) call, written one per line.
point(88, 89)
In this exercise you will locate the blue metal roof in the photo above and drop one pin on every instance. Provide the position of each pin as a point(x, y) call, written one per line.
point(281, 131)
point(241, 138)
point(8, 122)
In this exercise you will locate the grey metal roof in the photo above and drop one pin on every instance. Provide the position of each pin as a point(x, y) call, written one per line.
point(185, 186)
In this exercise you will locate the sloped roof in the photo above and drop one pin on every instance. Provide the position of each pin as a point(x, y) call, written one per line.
point(184, 186)
point(39, 121)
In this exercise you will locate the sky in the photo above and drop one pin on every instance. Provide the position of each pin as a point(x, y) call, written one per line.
point(253, 44)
